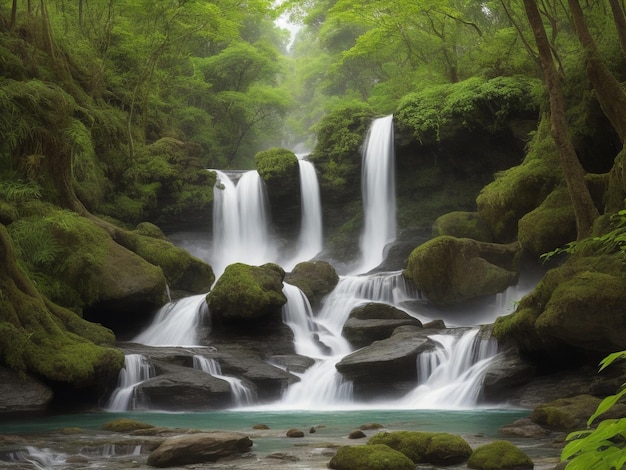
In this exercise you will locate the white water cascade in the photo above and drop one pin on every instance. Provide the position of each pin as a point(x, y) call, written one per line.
point(241, 223)
point(242, 394)
point(136, 369)
point(310, 241)
point(450, 377)
point(379, 194)
point(176, 323)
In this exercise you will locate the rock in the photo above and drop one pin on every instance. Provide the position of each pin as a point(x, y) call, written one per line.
point(315, 278)
point(449, 270)
point(524, 427)
point(375, 321)
point(22, 394)
point(125, 425)
point(185, 388)
point(370, 426)
point(294, 433)
point(426, 447)
point(198, 448)
point(434, 324)
point(356, 434)
point(293, 362)
point(370, 457)
point(283, 456)
point(463, 225)
point(549, 226)
point(386, 360)
point(506, 372)
point(260, 426)
point(247, 293)
point(570, 414)
point(499, 455)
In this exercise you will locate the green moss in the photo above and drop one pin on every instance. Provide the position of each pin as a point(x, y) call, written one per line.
point(125, 425)
point(519, 190)
point(245, 291)
point(370, 457)
point(549, 226)
point(462, 225)
point(499, 455)
point(277, 166)
point(426, 447)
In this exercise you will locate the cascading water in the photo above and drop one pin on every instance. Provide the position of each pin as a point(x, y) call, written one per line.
point(242, 395)
point(241, 223)
point(450, 377)
point(176, 323)
point(136, 370)
point(379, 194)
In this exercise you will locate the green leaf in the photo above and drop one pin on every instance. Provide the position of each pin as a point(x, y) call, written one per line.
point(605, 405)
point(611, 358)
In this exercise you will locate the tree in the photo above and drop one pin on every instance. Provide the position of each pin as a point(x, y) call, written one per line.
point(573, 172)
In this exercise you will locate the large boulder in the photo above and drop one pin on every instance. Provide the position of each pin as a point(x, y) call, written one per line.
point(22, 394)
point(499, 455)
point(386, 363)
point(198, 448)
point(505, 373)
point(426, 447)
point(370, 457)
point(247, 293)
point(449, 270)
point(549, 226)
point(462, 225)
point(42, 339)
point(520, 189)
point(375, 321)
point(315, 278)
point(183, 271)
point(575, 307)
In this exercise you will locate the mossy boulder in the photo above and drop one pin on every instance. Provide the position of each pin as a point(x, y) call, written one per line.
point(43, 339)
point(449, 270)
point(370, 457)
point(426, 447)
point(499, 455)
point(315, 278)
point(549, 226)
point(520, 189)
point(462, 225)
point(247, 292)
point(183, 271)
point(125, 425)
point(577, 306)
point(569, 414)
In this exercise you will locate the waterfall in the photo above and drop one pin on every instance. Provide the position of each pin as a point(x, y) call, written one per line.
point(241, 229)
point(298, 315)
point(310, 238)
point(379, 194)
point(242, 394)
point(136, 370)
point(451, 376)
point(176, 323)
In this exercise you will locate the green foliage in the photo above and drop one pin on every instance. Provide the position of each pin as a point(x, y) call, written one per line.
point(602, 447)
point(438, 111)
point(276, 164)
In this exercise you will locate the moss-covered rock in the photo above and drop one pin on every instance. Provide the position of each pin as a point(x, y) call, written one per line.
point(549, 226)
point(183, 271)
point(41, 338)
point(247, 292)
point(370, 457)
point(315, 278)
point(499, 455)
point(577, 306)
point(426, 447)
point(518, 190)
point(462, 225)
point(125, 425)
point(449, 270)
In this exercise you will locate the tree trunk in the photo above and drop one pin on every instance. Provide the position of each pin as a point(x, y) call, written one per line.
point(13, 15)
point(608, 90)
point(620, 23)
point(573, 172)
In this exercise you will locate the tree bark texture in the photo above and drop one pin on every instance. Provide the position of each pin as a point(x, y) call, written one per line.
point(573, 172)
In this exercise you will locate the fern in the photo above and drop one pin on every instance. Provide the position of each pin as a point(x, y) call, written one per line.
point(19, 191)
